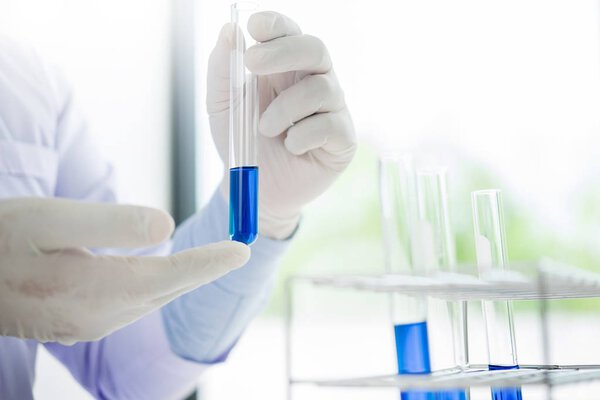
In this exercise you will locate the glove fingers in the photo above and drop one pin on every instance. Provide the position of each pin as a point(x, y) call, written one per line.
point(326, 130)
point(269, 25)
point(205, 264)
point(152, 278)
point(162, 300)
point(117, 289)
point(313, 94)
point(262, 26)
point(50, 224)
point(291, 53)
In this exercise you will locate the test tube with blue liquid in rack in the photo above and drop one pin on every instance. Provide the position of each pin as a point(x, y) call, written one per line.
point(243, 128)
point(490, 248)
point(409, 314)
point(437, 254)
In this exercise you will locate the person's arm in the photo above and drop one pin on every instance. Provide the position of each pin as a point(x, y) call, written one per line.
point(135, 362)
point(139, 361)
point(204, 325)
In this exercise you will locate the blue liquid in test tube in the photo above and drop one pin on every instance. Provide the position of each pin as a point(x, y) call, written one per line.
point(412, 347)
point(408, 314)
point(438, 255)
point(243, 204)
point(412, 350)
point(456, 394)
point(490, 249)
point(243, 128)
point(510, 393)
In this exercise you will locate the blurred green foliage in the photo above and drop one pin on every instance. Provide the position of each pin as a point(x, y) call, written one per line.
point(341, 230)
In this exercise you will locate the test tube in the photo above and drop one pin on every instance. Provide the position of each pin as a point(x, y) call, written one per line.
point(243, 127)
point(394, 186)
point(409, 314)
point(438, 254)
point(490, 251)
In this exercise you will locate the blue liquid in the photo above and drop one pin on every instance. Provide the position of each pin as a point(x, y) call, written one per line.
point(412, 350)
point(505, 393)
point(454, 394)
point(243, 204)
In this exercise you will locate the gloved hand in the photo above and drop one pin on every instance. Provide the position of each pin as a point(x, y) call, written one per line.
point(53, 289)
point(306, 134)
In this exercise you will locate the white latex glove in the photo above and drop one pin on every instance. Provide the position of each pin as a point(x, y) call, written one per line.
point(306, 134)
point(53, 289)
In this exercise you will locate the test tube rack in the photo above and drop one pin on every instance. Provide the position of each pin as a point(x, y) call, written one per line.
point(543, 280)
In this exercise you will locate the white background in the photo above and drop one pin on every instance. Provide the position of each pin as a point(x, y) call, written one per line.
point(116, 55)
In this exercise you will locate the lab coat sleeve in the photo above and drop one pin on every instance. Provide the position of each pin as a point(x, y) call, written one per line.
point(133, 363)
point(204, 324)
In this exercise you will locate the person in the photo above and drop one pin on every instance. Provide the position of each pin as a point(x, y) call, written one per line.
point(143, 321)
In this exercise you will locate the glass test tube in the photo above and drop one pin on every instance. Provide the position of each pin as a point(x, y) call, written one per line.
point(490, 250)
point(243, 128)
point(438, 254)
point(409, 314)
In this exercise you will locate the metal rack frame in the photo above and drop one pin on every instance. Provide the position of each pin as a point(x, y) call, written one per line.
point(542, 280)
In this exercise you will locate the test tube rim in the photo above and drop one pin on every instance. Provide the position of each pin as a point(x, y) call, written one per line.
point(486, 192)
point(394, 156)
point(431, 171)
point(244, 5)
